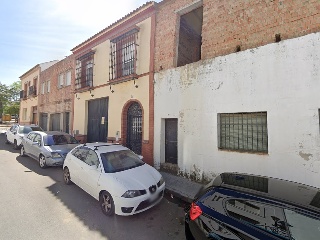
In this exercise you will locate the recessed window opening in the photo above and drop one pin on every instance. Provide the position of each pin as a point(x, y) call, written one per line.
point(84, 71)
point(190, 40)
point(243, 131)
point(123, 55)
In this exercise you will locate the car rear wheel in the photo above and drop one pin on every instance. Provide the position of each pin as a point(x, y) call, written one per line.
point(42, 161)
point(22, 152)
point(106, 203)
point(7, 142)
point(66, 176)
point(15, 146)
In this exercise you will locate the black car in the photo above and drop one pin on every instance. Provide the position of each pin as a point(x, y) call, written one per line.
point(241, 206)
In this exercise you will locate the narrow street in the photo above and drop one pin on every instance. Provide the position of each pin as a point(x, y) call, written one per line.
point(36, 204)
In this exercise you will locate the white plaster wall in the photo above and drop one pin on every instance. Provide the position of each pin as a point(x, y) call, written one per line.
point(281, 78)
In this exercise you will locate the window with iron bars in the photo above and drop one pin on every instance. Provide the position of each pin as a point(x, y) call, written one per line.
point(243, 131)
point(84, 71)
point(123, 55)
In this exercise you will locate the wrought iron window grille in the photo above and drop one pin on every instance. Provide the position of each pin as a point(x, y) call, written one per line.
point(123, 55)
point(84, 71)
point(245, 132)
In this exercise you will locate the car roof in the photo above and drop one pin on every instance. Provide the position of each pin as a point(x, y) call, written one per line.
point(49, 133)
point(274, 188)
point(56, 133)
point(103, 147)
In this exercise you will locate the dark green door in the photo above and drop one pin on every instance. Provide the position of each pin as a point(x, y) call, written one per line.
point(97, 120)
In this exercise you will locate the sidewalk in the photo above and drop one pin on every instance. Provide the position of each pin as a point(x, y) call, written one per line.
point(181, 187)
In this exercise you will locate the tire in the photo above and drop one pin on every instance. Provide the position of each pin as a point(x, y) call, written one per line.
point(22, 152)
point(15, 146)
point(7, 142)
point(106, 203)
point(42, 161)
point(66, 176)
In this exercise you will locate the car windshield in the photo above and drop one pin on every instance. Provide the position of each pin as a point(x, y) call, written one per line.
point(119, 161)
point(302, 226)
point(25, 130)
point(61, 139)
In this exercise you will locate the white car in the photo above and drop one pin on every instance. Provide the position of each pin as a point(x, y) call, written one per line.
point(17, 132)
point(115, 176)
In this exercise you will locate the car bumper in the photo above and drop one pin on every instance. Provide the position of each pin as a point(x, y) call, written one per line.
point(130, 206)
point(54, 161)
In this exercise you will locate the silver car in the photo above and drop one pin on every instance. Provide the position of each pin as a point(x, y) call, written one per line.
point(49, 148)
point(17, 132)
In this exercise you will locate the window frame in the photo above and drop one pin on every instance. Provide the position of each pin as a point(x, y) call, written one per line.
point(60, 80)
point(257, 142)
point(123, 53)
point(48, 86)
point(68, 81)
point(84, 79)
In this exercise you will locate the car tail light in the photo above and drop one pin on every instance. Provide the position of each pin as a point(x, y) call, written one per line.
point(195, 211)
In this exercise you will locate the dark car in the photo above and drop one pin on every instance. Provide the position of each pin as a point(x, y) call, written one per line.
point(241, 206)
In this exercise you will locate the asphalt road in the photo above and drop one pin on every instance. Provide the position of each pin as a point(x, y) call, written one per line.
point(36, 204)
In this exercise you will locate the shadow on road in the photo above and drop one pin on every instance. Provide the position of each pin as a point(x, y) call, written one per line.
point(159, 222)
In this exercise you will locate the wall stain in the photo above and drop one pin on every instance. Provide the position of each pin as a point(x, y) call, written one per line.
point(305, 156)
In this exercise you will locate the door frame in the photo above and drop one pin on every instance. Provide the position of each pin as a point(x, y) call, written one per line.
point(124, 122)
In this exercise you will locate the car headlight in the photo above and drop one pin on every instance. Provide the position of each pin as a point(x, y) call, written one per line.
point(133, 193)
point(160, 182)
point(55, 155)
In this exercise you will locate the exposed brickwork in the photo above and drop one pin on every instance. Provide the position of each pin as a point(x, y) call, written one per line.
point(228, 23)
point(59, 99)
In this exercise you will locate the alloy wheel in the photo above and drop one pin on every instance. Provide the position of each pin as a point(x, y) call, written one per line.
point(66, 176)
point(42, 161)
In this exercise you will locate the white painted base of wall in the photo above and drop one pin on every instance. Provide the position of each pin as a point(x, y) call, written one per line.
point(282, 79)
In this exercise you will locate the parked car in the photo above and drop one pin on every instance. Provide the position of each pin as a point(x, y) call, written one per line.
point(17, 132)
point(49, 148)
point(240, 206)
point(115, 176)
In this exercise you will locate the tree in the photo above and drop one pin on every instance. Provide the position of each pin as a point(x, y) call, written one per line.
point(4, 96)
point(10, 98)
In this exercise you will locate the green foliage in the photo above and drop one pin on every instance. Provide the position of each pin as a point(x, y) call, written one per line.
point(9, 98)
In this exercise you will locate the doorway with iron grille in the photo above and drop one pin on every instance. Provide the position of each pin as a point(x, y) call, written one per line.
point(134, 128)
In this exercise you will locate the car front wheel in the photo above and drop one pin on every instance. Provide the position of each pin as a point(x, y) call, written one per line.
point(42, 161)
point(106, 203)
point(66, 176)
point(22, 152)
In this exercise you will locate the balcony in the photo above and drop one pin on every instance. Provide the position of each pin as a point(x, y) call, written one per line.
point(32, 91)
point(23, 94)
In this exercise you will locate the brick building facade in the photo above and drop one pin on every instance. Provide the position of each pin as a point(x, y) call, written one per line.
point(56, 96)
point(230, 26)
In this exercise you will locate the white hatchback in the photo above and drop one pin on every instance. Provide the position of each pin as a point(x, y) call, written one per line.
point(115, 176)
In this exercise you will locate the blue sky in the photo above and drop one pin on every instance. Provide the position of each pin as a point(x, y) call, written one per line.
point(36, 31)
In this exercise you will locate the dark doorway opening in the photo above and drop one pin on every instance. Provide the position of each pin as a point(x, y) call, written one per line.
point(190, 39)
point(171, 140)
point(134, 128)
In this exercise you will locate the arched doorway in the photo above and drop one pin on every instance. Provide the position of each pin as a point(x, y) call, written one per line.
point(134, 128)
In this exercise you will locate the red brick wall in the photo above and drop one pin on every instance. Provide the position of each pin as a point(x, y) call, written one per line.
point(58, 100)
point(228, 23)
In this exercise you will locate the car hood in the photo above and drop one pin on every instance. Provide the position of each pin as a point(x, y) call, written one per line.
point(61, 148)
point(138, 178)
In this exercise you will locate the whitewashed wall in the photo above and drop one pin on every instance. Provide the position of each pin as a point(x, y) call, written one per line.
point(281, 78)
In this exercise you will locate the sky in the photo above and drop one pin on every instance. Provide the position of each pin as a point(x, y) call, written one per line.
point(37, 31)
